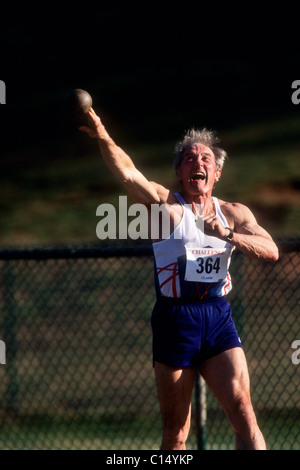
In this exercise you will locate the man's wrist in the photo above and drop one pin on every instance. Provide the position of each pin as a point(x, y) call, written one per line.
point(102, 133)
point(229, 236)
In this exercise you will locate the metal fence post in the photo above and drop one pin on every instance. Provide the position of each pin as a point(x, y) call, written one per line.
point(201, 414)
point(10, 322)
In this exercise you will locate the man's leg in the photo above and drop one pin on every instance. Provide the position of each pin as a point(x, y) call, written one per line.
point(227, 376)
point(174, 388)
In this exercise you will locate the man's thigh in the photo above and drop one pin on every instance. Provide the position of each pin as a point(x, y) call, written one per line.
point(227, 376)
point(174, 387)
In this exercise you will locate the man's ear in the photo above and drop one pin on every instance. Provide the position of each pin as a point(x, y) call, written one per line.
point(218, 174)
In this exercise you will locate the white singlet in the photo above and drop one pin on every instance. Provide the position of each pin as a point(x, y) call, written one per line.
point(190, 264)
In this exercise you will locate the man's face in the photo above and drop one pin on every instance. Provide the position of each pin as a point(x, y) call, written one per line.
point(197, 170)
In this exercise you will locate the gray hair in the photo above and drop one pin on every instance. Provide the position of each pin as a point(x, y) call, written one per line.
point(204, 137)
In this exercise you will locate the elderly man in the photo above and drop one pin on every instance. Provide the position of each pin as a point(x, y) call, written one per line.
point(191, 320)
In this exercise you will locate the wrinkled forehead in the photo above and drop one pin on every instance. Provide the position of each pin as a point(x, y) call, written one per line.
point(198, 149)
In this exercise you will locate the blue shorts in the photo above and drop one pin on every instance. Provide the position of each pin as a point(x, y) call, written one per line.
point(185, 333)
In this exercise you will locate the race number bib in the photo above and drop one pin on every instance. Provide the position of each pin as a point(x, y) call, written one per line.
point(206, 264)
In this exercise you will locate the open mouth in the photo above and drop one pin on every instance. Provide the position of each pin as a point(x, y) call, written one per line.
point(199, 175)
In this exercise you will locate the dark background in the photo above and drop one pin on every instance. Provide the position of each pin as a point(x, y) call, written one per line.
point(151, 71)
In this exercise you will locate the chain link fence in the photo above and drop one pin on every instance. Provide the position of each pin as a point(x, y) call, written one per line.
point(78, 355)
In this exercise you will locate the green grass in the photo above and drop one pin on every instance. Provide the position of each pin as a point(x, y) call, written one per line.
point(106, 432)
point(42, 432)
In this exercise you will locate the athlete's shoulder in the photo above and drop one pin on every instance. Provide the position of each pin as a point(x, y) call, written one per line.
point(236, 213)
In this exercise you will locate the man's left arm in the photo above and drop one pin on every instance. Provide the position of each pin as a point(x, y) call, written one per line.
point(249, 237)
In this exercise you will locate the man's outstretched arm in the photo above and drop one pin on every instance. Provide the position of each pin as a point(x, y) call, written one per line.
point(120, 164)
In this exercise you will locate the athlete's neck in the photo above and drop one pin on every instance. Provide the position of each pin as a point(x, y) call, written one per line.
point(203, 203)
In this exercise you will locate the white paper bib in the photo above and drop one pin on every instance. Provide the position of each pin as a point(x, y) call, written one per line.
point(206, 264)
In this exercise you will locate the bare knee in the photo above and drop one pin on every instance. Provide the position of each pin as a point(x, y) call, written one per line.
point(175, 388)
point(240, 413)
point(227, 375)
point(243, 421)
point(175, 434)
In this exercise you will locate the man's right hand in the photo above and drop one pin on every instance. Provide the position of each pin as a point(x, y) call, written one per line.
point(96, 129)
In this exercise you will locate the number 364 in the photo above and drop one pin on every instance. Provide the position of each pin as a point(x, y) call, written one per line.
point(208, 265)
